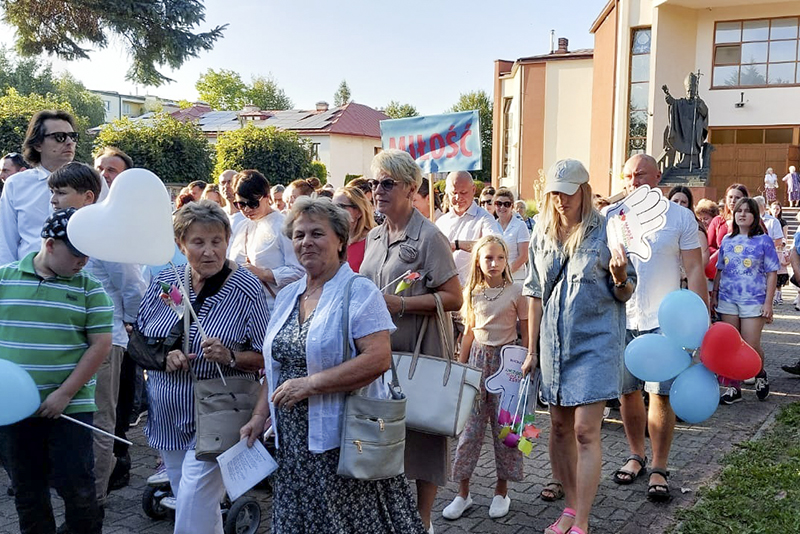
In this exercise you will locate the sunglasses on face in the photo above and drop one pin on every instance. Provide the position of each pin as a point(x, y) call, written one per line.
point(387, 184)
point(503, 204)
point(252, 204)
point(61, 137)
point(486, 202)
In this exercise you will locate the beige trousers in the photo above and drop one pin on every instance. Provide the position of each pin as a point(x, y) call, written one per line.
point(105, 396)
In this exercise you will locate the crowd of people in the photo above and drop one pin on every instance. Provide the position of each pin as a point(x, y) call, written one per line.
point(266, 270)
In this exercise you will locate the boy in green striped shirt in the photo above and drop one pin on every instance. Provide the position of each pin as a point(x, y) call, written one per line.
point(55, 322)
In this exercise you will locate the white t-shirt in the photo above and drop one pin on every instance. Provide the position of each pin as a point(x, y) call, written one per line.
point(662, 273)
point(773, 225)
point(474, 224)
point(263, 244)
point(516, 232)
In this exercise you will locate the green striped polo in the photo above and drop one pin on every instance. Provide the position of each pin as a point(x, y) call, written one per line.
point(44, 324)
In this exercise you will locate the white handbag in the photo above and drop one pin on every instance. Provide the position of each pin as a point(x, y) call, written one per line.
point(440, 392)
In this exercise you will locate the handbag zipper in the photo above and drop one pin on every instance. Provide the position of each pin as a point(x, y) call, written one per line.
point(359, 444)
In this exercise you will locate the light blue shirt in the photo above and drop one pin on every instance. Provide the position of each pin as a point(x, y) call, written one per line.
point(368, 315)
point(125, 285)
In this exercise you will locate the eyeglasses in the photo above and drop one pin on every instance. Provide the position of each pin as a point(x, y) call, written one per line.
point(503, 203)
point(387, 184)
point(252, 204)
point(486, 202)
point(61, 137)
point(351, 206)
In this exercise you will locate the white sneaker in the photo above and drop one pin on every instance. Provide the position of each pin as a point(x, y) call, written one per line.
point(499, 506)
point(455, 509)
point(430, 530)
point(169, 502)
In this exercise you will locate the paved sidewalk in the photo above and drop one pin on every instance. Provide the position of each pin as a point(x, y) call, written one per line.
point(617, 509)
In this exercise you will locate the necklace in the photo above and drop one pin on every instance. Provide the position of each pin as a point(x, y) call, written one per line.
point(309, 293)
point(490, 299)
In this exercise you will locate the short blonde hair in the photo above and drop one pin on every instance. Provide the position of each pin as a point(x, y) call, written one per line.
point(399, 165)
point(201, 212)
point(214, 188)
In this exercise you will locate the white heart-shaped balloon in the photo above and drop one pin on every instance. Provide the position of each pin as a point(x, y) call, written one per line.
point(133, 224)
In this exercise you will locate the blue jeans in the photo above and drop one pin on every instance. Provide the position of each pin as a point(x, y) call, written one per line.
point(40, 451)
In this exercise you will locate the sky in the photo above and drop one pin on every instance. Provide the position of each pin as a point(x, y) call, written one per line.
point(424, 53)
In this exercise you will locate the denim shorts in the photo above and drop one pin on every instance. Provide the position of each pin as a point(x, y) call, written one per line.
point(630, 383)
point(744, 311)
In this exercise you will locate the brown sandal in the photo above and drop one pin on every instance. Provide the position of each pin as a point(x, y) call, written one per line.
point(553, 491)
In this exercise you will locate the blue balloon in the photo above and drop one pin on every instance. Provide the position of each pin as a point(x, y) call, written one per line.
point(694, 395)
point(19, 397)
point(683, 317)
point(655, 358)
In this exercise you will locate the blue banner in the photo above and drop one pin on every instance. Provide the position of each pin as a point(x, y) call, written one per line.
point(438, 143)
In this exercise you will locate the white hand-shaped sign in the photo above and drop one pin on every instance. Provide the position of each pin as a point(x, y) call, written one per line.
point(638, 215)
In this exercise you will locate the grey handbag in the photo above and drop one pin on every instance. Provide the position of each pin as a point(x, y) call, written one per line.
point(373, 430)
point(441, 392)
point(220, 409)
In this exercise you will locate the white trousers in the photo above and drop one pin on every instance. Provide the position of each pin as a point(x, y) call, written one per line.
point(199, 489)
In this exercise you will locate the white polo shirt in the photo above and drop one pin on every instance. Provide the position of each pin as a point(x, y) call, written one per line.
point(475, 223)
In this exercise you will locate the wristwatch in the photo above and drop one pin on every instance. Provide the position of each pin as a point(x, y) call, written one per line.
point(232, 363)
point(621, 284)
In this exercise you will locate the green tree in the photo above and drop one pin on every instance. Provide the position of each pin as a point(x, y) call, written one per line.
point(223, 90)
point(319, 170)
point(155, 32)
point(175, 151)
point(279, 154)
point(483, 103)
point(265, 93)
point(28, 77)
point(396, 110)
point(342, 95)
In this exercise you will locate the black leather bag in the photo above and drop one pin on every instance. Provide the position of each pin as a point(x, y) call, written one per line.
point(151, 352)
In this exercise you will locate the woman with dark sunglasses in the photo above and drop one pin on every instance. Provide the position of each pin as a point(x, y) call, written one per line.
point(515, 232)
point(408, 242)
point(259, 245)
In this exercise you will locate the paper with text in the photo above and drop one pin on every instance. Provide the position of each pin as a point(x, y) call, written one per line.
point(243, 467)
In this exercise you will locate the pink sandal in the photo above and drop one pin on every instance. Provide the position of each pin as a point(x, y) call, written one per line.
point(576, 530)
point(569, 512)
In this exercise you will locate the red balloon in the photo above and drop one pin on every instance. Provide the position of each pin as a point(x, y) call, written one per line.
point(711, 266)
point(725, 353)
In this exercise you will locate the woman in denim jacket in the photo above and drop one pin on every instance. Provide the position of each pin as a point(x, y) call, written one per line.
point(578, 287)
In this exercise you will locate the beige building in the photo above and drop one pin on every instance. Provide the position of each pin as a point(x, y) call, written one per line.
point(118, 105)
point(748, 56)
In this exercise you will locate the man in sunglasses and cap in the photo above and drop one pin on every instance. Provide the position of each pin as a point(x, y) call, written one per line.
point(49, 144)
point(56, 323)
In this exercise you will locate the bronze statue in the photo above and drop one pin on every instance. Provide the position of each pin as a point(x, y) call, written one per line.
point(687, 130)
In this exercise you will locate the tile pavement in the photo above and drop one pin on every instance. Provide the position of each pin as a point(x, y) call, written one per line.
point(617, 509)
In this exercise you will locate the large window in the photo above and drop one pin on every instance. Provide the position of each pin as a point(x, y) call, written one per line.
point(639, 86)
point(756, 53)
point(751, 136)
point(507, 125)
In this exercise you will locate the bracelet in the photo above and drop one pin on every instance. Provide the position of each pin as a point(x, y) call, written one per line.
point(402, 306)
point(621, 284)
point(232, 363)
point(457, 247)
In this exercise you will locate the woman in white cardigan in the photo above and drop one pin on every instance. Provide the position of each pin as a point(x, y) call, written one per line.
point(306, 382)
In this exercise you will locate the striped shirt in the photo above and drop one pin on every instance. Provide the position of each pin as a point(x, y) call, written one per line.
point(44, 323)
point(237, 315)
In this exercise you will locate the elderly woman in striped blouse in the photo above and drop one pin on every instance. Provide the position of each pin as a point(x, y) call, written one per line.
point(232, 308)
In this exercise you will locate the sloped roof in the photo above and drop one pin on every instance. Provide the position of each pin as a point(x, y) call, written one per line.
point(350, 119)
point(192, 113)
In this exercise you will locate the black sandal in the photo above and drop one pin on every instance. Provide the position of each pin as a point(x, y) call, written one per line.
point(624, 477)
point(553, 491)
point(659, 492)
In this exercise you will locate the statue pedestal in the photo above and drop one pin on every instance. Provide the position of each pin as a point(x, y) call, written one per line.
point(674, 176)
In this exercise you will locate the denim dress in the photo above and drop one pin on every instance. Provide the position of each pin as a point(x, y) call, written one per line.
point(582, 331)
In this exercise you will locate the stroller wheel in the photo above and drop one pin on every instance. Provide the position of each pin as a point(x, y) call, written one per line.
point(244, 517)
point(151, 502)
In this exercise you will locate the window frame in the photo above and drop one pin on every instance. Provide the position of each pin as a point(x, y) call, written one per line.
point(768, 41)
point(647, 82)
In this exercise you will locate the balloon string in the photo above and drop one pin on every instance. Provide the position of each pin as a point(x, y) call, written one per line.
point(203, 335)
point(95, 429)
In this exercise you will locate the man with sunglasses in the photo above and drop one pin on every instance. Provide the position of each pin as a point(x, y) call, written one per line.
point(49, 144)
